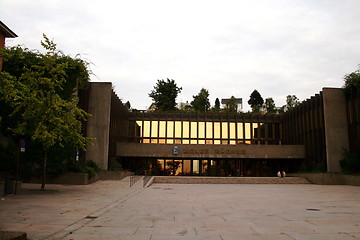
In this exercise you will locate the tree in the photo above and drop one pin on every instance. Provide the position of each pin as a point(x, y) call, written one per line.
point(128, 105)
point(269, 105)
point(201, 101)
point(255, 101)
point(231, 105)
point(217, 104)
point(291, 102)
point(164, 95)
point(47, 113)
point(352, 81)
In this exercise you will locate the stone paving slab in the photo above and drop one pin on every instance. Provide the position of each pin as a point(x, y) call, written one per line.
point(113, 210)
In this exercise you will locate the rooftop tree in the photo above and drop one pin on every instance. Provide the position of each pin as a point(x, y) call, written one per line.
point(164, 94)
point(352, 81)
point(269, 105)
point(201, 101)
point(217, 104)
point(255, 101)
point(291, 102)
point(231, 105)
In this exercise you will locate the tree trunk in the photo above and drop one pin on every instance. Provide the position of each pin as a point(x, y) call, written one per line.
point(44, 171)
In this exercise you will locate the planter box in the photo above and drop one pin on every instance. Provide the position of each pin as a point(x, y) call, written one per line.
point(67, 179)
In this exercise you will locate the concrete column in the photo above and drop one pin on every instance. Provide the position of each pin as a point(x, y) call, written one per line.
point(98, 125)
point(336, 129)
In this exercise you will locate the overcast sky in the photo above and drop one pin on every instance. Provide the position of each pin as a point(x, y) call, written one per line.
point(278, 47)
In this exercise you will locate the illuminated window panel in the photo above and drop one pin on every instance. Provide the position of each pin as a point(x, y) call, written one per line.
point(146, 129)
point(201, 130)
point(177, 129)
point(170, 130)
point(194, 130)
point(162, 125)
point(154, 129)
point(196, 166)
point(217, 130)
point(232, 133)
point(209, 130)
point(185, 130)
point(224, 130)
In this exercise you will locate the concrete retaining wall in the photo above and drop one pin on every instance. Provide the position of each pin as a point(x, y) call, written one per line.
point(113, 175)
point(331, 178)
point(83, 178)
point(67, 179)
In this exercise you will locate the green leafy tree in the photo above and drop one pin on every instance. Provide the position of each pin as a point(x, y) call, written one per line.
point(164, 95)
point(45, 113)
point(201, 101)
point(352, 81)
point(291, 102)
point(255, 101)
point(231, 105)
point(269, 105)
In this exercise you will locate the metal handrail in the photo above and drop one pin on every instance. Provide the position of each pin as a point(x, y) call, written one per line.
point(133, 178)
point(147, 178)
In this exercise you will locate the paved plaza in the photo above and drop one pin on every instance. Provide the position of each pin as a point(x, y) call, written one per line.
point(113, 210)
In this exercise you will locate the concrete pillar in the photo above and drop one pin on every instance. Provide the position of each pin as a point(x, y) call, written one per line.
point(336, 129)
point(98, 125)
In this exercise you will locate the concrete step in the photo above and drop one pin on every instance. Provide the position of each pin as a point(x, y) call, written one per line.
point(229, 180)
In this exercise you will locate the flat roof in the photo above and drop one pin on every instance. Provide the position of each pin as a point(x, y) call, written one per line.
point(225, 100)
point(7, 31)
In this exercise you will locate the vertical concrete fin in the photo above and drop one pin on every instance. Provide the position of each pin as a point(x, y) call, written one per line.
point(336, 130)
point(98, 125)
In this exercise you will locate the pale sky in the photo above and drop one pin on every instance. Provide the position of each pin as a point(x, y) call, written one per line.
point(278, 47)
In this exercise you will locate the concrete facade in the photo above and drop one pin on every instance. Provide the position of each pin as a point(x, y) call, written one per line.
point(98, 125)
point(336, 129)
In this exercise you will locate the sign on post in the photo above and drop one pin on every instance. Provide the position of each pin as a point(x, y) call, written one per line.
point(22, 145)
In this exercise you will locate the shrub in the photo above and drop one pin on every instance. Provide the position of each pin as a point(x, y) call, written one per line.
point(350, 163)
point(91, 168)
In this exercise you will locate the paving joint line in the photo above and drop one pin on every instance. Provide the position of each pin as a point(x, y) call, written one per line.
point(65, 231)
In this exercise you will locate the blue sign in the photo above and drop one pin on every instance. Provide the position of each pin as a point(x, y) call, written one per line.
point(22, 145)
point(175, 150)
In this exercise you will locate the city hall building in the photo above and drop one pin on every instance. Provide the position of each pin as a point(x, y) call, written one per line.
point(310, 137)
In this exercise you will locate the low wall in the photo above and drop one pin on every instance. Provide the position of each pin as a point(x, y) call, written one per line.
point(331, 178)
point(229, 180)
point(83, 178)
point(67, 179)
point(113, 175)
